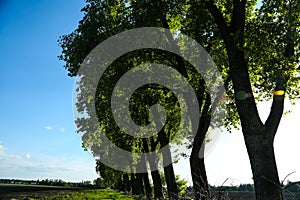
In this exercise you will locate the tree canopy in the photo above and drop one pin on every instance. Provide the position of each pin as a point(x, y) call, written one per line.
point(254, 45)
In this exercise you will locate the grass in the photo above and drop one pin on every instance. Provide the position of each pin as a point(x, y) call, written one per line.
point(15, 191)
point(91, 194)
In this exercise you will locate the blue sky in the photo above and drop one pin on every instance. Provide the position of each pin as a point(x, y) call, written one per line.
point(37, 132)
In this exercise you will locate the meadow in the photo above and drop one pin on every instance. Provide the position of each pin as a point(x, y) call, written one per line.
point(31, 192)
point(41, 192)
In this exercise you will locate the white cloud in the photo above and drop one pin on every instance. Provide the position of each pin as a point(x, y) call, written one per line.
point(46, 166)
point(68, 168)
point(62, 130)
point(2, 150)
point(49, 128)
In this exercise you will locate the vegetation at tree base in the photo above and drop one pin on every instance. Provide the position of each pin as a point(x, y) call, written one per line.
point(92, 194)
point(255, 48)
point(57, 193)
point(242, 187)
point(292, 186)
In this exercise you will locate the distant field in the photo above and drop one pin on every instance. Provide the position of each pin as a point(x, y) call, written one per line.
point(30, 192)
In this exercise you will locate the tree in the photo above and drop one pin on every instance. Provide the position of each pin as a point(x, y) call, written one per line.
point(98, 183)
point(98, 26)
point(232, 34)
point(277, 65)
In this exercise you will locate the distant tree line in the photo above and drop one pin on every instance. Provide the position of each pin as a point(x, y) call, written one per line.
point(241, 187)
point(51, 182)
point(292, 186)
point(59, 182)
point(17, 181)
point(289, 187)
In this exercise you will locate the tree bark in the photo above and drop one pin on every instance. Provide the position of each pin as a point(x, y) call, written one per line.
point(153, 163)
point(263, 164)
point(198, 171)
point(163, 139)
point(168, 169)
point(258, 137)
point(145, 177)
point(137, 184)
point(126, 182)
point(133, 183)
point(171, 182)
point(147, 185)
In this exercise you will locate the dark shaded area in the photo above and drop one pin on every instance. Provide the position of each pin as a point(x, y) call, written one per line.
point(239, 195)
point(8, 189)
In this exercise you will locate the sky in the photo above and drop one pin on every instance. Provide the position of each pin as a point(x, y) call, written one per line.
point(37, 132)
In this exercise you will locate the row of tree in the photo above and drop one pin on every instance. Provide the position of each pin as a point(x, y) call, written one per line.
point(290, 187)
point(59, 182)
point(52, 182)
point(256, 49)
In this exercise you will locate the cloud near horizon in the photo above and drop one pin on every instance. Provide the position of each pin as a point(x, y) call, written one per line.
point(42, 166)
point(49, 128)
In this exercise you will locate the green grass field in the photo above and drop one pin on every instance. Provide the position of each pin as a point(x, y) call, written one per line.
point(91, 194)
point(31, 192)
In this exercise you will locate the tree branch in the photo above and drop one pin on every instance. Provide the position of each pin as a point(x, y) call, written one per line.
point(238, 16)
point(220, 21)
point(276, 112)
point(180, 67)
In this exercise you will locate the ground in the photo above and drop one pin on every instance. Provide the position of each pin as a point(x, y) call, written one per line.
point(30, 192)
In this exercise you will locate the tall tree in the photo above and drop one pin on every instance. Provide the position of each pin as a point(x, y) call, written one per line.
point(277, 65)
point(256, 51)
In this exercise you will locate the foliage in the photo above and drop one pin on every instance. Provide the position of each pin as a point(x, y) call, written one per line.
point(98, 183)
point(109, 176)
point(241, 187)
point(292, 186)
point(274, 57)
point(59, 182)
point(268, 42)
point(182, 185)
point(102, 20)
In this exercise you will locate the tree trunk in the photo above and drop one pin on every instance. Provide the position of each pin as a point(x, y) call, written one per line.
point(263, 165)
point(197, 164)
point(145, 177)
point(199, 178)
point(153, 163)
point(126, 182)
point(171, 182)
point(147, 185)
point(137, 184)
point(258, 137)
point(158, 192)
point(133, 183)
point(163, 139)
point(168, 169)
